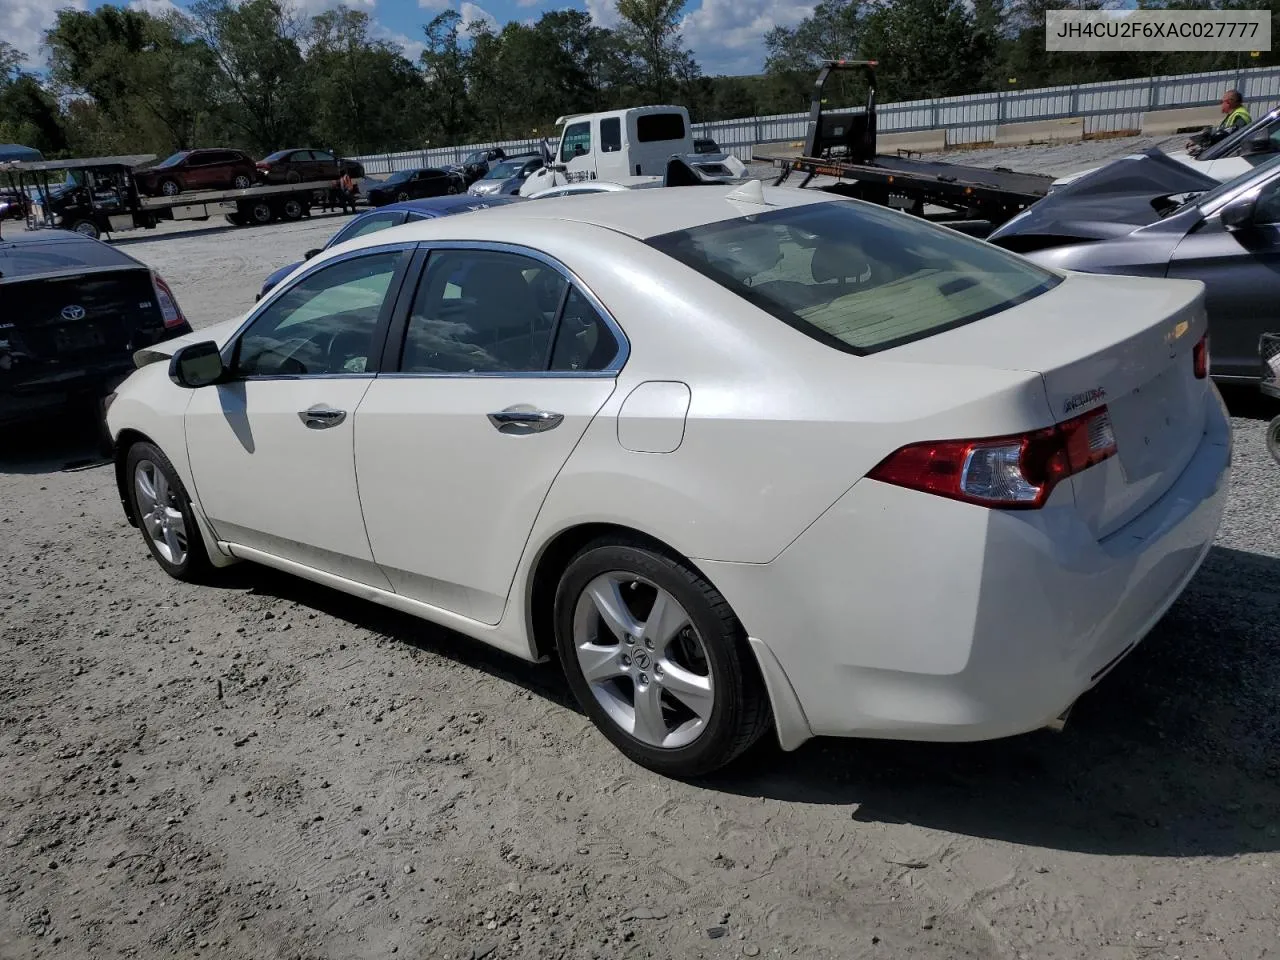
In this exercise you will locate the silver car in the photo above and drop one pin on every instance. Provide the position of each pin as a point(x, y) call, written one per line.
point(505, 177)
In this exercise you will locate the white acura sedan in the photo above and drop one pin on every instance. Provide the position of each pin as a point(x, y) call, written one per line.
point(741, 458)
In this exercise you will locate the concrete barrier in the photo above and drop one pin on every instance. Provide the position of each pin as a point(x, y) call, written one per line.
point(1065, 130)
point(1183, 120)
point(919, 141)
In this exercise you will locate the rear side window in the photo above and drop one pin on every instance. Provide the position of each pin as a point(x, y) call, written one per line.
point(611, 135)
point(857, 277)
point(651, 127)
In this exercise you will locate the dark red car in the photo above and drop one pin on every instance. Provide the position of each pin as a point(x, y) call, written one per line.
point(189, 170)
point(305, 165)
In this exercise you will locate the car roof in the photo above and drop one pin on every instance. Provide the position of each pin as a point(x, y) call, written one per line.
point(648, 213)
point(449, 204)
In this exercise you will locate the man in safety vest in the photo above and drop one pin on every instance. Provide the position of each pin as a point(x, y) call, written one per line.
point(1236, 117)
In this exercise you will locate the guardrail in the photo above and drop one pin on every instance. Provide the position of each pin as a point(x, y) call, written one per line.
point(1111, 107)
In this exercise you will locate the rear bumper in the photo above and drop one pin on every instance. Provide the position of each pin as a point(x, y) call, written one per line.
point(902, 615)
point(34, 400)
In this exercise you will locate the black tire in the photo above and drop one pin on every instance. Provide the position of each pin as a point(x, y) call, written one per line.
point(195, 566)
point(241, 182)
point(740, 714)
point(293, 176)
point(261, 213)
point(1273, 439)
point(402, 196)
point(291, 209)
point(236, 219)
point(87, 228)
point(170, 188)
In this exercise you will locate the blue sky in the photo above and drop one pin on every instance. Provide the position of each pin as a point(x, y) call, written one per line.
point(725, 35)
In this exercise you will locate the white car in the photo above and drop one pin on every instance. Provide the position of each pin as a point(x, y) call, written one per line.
point(741, 458)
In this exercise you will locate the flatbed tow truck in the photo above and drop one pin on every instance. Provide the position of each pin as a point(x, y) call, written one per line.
point(98, 195)
point(842, 145)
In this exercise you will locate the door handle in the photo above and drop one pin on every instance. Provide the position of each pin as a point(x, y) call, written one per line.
point(318, 418)
point(521, 420)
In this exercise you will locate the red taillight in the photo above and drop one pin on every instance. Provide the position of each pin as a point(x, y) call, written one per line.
point(1012, 473)
point(169, 308)
point(1200, 357)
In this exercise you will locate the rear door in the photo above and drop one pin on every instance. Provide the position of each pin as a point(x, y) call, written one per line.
point(1241, 273)
point(324, 166)
point(458, 447)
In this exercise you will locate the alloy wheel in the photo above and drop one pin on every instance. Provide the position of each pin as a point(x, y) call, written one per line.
point(643, 660)
point(159, 514)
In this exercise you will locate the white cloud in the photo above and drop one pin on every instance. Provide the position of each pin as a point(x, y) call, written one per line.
point(410, 47)
point(23, 23)
point(727, 36)
point(433, 4)
point(604, 13)
point(471, 13)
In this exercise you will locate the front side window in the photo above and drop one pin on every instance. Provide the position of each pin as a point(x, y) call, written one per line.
point(857, 277)
point(610, 135)
point(651, 127)
point(576, 141)
point(322, 325)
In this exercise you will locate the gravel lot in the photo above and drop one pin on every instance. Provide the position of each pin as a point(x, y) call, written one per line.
point(269, 769)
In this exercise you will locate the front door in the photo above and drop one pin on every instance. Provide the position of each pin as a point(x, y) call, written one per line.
point(499, 376)
point(1241, 273)
point(577, 152)
point(272, 448)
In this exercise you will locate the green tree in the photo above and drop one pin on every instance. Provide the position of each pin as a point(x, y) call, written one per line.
point(445, 62)
point(29, 115)
point(651, 29)
point(925, 48)
point(257, 68)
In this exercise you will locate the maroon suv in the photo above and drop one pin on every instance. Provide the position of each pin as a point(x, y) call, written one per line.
point(305, 165)
point(197, 170)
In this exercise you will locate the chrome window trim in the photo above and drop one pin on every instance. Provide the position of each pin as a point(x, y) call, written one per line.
point(1253, 182)
point(619, 335)
point(228, 349)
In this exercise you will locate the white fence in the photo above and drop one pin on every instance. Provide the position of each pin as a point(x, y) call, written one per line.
point(1112, 106)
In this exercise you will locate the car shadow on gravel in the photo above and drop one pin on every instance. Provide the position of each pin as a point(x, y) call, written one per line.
point(1173, 754)
point(67, 440)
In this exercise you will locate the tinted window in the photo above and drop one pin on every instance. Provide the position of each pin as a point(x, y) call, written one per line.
point(362, 225)
point(322, 155)
point(651, 127)
point(278, 155)
point(583, 340)
point(1267, 208)
point(172, 161)
point(482, 311)
point(576, 142)
point(858, 277)
point(610, 135)
point(323, 324)
point(28, 259)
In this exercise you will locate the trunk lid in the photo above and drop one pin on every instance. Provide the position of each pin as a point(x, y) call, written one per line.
point(1123, 342)
point(89, 322)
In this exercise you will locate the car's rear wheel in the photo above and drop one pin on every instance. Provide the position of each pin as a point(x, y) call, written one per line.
point(402, 196)
point(87, 228)
point(657, 659)
point(170, 188)
point(241, 182)
point(293, 176)
point(1273, 439)
point(163, 511)
point(291, 209)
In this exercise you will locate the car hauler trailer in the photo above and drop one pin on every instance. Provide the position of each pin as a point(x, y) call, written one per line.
point(97, 195)
point(842, 145)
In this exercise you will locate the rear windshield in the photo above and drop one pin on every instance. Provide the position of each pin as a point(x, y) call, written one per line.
point(858, 277)
point(30, 258)
point(174, 160)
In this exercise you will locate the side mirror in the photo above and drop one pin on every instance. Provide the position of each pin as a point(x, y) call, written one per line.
point(558, 168)
point(310, 253)
point(1238, 214)
point(1260, 144)
point(197, 365)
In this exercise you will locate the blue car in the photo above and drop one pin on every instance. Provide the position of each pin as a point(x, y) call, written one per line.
point(392, 215)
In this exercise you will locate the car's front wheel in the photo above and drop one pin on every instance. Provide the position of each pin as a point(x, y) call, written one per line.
point(163, 511)
point(657, 659)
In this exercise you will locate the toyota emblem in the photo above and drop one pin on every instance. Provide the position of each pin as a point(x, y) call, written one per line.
point(73, 311)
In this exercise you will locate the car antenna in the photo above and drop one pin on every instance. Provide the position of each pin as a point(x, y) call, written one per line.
point(750, 192)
